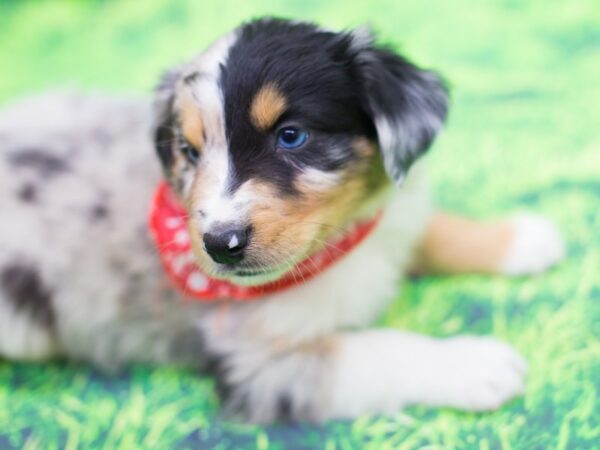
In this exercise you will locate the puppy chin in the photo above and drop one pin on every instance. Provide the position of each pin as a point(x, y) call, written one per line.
point(255, 279)
point(243, 276)
point(250, 277)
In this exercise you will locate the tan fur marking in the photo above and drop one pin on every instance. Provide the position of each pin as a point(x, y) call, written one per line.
point(313, 217)
point(454, 244)
point(267, 107)
point(192, 126)
point(364, 147)
point(286, 229)
point(324, 346)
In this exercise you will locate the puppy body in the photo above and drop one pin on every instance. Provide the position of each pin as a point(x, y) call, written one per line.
point(81, 278)
point(83, 235)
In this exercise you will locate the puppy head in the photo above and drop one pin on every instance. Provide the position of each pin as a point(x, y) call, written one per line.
point(280, 134)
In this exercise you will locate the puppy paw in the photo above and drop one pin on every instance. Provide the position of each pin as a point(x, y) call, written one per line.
point(537, 245)
point(478, 374)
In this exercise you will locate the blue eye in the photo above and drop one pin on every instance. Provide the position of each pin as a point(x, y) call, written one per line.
point(190, 153)
point(291, 138)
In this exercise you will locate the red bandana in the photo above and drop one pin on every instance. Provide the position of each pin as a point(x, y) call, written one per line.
point(168, 226)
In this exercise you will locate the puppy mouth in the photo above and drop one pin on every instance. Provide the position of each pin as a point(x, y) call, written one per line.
point(250, 273)
point(249, 276)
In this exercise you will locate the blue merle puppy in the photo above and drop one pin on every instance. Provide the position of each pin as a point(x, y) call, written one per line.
point(275, 139)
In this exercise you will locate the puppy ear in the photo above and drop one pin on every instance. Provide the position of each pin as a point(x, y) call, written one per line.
point(164, 95)
point(407, 105)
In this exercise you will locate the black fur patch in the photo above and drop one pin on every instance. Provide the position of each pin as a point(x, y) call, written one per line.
point(99, 212)
point(27, 193)
point(214, 366)
point(237, 403)
point(164, 120)
point(311, 68)
point(234, 401)
point(284, 408)
point(45, 164)
point(27, 292)
point(413, 102)
point(163, 140)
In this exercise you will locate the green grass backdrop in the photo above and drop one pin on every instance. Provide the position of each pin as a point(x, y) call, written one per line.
point(524, 133)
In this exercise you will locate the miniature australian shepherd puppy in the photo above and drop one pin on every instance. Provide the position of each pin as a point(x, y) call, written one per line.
point(287, 205)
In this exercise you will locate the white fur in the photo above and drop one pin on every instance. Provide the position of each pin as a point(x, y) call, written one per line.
point(218, 206)
point(319, 179)
point(209, 61)
point(537, 245)
point(383, 370)
point(20, 338)
point(394, 135)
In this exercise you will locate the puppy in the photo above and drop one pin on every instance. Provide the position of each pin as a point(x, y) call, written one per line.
point(289, 205)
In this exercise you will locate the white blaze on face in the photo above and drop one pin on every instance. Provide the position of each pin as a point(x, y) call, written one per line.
point(203, 86)
point(218, 204)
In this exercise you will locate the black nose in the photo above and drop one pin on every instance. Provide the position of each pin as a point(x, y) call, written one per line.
point(226, 246)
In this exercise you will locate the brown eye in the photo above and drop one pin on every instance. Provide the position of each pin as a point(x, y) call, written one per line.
point(191, 154)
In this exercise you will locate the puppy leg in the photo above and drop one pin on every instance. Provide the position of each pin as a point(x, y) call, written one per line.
point(27, 316)
point(380, 371)
point(377, 371)
point(23, 334)
point(521, 245)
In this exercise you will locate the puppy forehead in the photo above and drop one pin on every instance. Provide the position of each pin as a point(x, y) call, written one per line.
point(279, 68)
point(276, 48)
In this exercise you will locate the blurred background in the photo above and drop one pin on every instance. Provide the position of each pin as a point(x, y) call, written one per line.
point(523, 133)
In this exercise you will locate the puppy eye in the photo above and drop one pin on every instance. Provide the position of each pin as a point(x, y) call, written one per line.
point(291, 138)
point(191, 154)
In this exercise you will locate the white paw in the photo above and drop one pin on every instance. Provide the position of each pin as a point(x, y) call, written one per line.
point(478, 374)
point(537, 246)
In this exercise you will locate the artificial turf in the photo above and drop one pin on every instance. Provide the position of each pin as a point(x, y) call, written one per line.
point(523, 134)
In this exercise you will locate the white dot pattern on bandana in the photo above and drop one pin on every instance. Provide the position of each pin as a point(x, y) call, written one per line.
point(181, 238)
point(180, 261)
point(172, 222)
point(196, 281)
